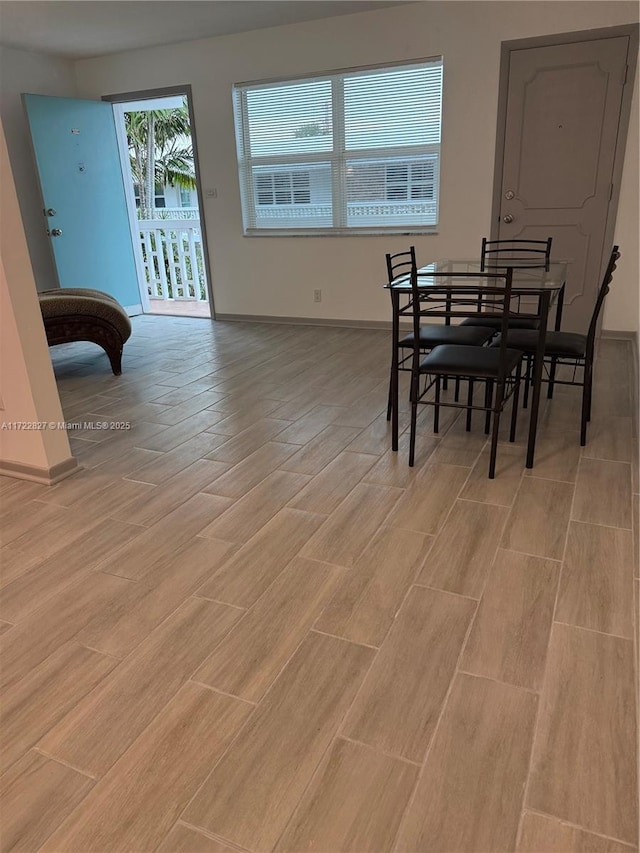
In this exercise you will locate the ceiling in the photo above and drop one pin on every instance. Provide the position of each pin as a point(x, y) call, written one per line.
point(79, 29)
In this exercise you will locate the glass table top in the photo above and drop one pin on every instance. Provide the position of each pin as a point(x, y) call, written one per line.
point(463, 274)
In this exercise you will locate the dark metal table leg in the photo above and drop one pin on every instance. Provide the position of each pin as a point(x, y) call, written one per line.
point(537, 376)
point(395, 337)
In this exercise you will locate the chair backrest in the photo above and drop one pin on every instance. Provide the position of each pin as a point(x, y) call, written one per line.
point(515, 253)
point(402, 263)
point(604, 289)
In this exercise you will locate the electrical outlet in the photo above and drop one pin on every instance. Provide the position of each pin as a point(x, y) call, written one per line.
point(317, 296)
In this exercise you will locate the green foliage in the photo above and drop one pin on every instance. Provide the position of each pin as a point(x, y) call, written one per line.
point(160, 141)
point(312, 128)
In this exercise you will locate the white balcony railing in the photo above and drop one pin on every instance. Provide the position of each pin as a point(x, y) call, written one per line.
point(168, 213)
point(173, 259)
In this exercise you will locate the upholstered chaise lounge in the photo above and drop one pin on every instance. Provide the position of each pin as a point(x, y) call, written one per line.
point(82, 314)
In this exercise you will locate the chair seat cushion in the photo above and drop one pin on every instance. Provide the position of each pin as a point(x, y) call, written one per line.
point(561, 344)
point(468, 361)
point(79, 291)
point(73, 305)
point(494, 321)
point(433, 335)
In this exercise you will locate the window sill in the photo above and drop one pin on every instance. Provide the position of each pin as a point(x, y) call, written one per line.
point(337, 232)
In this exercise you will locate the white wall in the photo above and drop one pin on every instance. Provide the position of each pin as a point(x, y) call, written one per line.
point(622, 308)
point(28, 391)
point(277, 276)
point(22, 71)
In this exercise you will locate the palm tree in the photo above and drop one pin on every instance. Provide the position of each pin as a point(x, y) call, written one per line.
point(160, 151)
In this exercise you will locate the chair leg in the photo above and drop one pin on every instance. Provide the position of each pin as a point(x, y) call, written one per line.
point(436, 408)
point(496, 428)
point(527, 383)
point(389, 401)
point(552, 376)
point(414, 418)
point(469, 404)
point(445, 383)
point(114, 353)
point(488, 397)
point(412, 435)
point(456, 393)
point(590, 391)
point(514, 403)
point(586, 407)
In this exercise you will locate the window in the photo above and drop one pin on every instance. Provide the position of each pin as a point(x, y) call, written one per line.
point(341, 153)
point(185, 198)
point(282, 188)
point(159, 199)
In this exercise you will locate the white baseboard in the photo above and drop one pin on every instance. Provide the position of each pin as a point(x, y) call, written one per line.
point(35, 474)
point(620, 335)
point(306, 321)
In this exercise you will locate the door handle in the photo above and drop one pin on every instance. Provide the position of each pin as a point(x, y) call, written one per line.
point(508, 218)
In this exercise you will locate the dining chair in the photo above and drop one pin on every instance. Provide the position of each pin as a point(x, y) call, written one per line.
point(402, 265)
point(497, 366)
point(567, 348)
point(518, 254)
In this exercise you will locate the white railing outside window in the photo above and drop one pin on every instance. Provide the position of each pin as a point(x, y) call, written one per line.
point(372, 213)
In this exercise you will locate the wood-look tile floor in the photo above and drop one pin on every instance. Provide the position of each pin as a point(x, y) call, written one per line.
point(247, 625)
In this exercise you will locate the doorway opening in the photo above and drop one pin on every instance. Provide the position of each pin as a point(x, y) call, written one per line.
point(159, 158)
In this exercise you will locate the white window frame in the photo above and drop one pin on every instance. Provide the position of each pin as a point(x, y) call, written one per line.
point(337, 157)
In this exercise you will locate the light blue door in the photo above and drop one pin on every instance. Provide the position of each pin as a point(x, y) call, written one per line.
point(78, 164)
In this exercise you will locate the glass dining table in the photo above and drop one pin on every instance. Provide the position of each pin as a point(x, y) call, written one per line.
point(453, 289)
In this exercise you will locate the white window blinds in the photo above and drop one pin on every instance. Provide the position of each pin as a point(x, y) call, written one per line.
point(344, 152)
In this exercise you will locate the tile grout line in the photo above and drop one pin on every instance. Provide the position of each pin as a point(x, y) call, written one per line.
point(46, 755)
point(482, 675)
point(97, 651)
point(219, 838)
point(221, 692)
point(449, 591)
point(566, 822)
point(527, 554)
point(592, 630)
point(201, 597)
point(378, 751)
point(314, 630)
